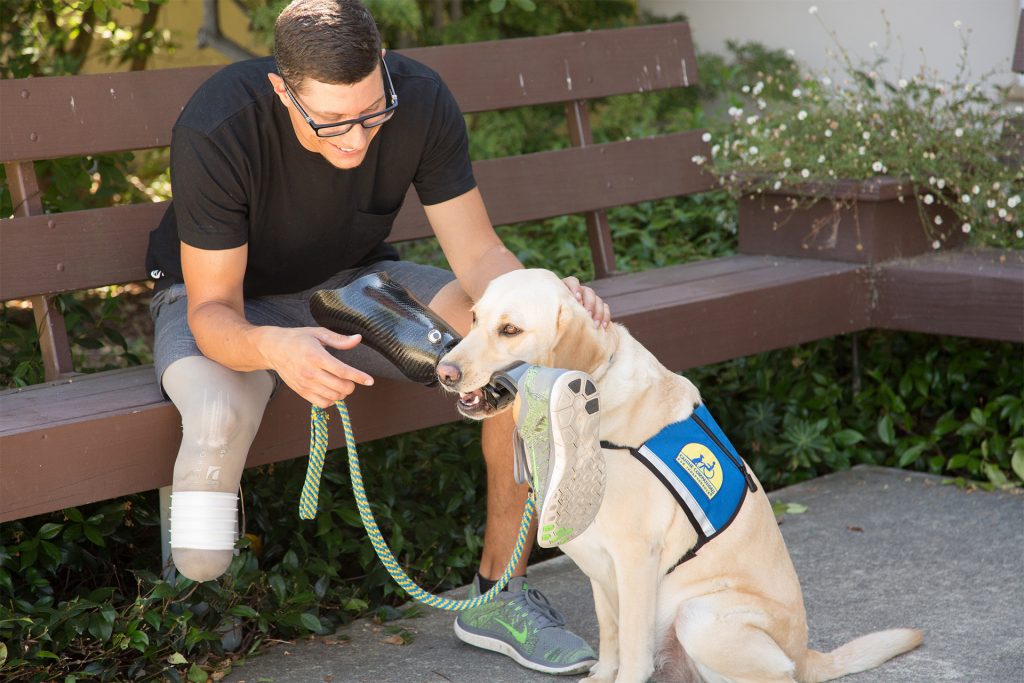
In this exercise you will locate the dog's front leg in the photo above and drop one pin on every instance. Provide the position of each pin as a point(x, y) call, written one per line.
point(636, 576)
point(607, 610)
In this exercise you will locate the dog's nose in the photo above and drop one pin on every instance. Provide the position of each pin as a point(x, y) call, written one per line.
point(448, 374)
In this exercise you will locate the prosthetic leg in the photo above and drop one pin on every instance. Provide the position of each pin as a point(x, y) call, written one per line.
point(221, 410)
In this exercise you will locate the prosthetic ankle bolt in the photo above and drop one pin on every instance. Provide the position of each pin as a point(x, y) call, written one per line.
point(392, 322)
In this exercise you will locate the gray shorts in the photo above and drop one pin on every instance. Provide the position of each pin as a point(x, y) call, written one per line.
point(174, 340)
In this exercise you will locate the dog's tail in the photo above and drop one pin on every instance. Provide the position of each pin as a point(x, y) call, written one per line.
point(859, 654)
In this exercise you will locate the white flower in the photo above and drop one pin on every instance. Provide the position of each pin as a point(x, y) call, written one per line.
point(931, 180)
point(866, 135)
point(940, 183)
point(697, 159)
point(826, 81)
point(938, 220)
point(787, 162)
point(893, 134)
point(861, 150)
point(935, 244)
point(706, 137)
point(758, 87)
point(751, 120)
point(715, 149)
point(821, 158)
point(782, 127)
point(777, 185)
point(828, 132)
point(873, 45)
point(877, 167)
point(797, 92)
point(928, 199)
point(805, 173)
point(996, 185)
point(753, 149)
point(975, 189)
point(1013, 201)
point(791, 52)
point(959, 132)
point(966, 227)
point(1002, 212)
point(801, 115)
point(902, 83)
point(1020, 234)
point(813, 9)
point(1018, 109)
point(735, 112)
point(991, 203)
point(957, 24)
point(761, 104)
point(966, 198)
point(745, 88)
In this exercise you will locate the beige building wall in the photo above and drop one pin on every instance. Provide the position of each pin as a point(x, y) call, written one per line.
point(922, 30)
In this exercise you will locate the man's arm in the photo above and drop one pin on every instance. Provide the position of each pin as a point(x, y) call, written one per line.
point(475, 252)
point(477, 255)
point(216, 314)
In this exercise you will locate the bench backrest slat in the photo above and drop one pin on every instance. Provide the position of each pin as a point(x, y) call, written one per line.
point(71, 251)
point(101, 113)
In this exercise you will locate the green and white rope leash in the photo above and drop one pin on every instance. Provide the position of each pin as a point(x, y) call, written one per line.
point(311, 490)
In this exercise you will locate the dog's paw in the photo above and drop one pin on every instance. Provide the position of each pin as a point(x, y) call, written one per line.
point(599, 674)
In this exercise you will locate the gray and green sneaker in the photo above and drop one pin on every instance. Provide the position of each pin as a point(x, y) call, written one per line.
point(521, 623)
point(558, 426)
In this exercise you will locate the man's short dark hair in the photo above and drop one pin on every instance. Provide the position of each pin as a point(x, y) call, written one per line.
point(331, 41)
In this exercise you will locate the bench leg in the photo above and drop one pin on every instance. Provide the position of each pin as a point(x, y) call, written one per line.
point(167, 566)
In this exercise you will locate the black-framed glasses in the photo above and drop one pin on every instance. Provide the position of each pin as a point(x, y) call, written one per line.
point(330, 130)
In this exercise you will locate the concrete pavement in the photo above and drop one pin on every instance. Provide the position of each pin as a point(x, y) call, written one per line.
point(877, 548)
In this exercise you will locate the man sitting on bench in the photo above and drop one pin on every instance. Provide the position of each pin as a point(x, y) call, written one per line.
point(288, 172)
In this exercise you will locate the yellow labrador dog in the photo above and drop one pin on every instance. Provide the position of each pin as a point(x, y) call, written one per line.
point(732, 612)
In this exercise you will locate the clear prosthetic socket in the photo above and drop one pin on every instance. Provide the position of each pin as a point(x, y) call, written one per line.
point(221, 410)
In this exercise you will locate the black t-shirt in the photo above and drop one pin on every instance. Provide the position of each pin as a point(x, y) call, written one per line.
point(241, 176)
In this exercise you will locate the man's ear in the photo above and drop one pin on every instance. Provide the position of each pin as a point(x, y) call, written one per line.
point(278, 84)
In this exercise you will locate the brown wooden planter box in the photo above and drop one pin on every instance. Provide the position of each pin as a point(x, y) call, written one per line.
point(872, 225)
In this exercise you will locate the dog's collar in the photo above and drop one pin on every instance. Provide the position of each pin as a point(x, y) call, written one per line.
point(699, 466)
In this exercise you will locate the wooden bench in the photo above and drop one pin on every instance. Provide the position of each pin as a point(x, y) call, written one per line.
point(80, 438)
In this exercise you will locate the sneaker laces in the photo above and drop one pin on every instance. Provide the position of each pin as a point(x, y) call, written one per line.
point(534, 602)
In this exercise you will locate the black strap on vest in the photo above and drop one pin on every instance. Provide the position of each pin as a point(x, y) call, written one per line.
point(701, 536)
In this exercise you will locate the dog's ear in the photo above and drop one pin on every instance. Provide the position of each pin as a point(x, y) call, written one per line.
point(577, 346)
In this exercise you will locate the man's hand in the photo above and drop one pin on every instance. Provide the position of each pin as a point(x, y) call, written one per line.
point(597, 308)
point(299, 357)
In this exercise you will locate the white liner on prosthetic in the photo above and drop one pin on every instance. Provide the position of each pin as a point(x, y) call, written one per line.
point(204, 520)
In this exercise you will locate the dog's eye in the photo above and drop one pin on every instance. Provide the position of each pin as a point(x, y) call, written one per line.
point(509, 330)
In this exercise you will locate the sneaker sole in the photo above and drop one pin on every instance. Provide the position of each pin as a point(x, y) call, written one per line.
point(485, 642)
point(576, 486)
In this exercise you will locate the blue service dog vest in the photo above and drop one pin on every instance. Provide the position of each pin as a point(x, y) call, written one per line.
point(701, 469)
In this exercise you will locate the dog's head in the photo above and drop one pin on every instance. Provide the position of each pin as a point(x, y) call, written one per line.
point(524, 315)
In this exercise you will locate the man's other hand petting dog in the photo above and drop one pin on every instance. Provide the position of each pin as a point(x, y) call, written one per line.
point(731, 612)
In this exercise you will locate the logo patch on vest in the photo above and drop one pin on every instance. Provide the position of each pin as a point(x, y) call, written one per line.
point(700, 463)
